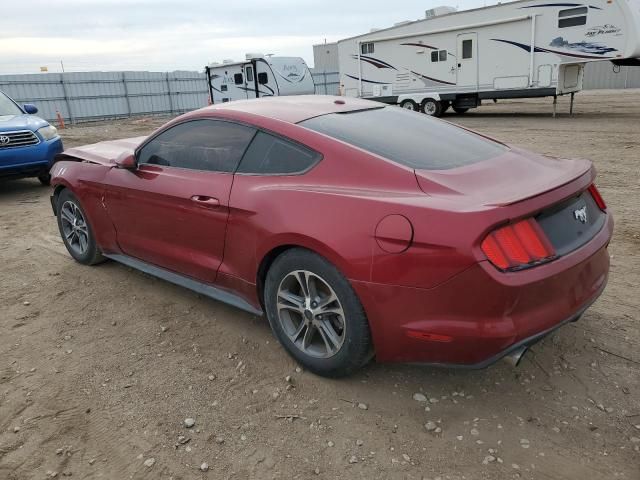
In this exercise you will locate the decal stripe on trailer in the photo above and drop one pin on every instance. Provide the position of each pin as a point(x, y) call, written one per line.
point(561, 5)
point(546, 50)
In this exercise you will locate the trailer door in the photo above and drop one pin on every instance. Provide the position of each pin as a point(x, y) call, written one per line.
point(250, 81)
point(468, 61)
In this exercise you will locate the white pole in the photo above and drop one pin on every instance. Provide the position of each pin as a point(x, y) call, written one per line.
point(532, 49)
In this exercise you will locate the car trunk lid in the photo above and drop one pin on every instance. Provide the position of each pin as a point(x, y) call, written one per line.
point(511, 177)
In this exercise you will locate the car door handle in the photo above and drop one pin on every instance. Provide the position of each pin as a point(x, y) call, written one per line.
point(205, 201)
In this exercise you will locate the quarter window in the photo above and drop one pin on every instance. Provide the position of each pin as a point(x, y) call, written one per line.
point(209, 145)
point(572, 17)
point(367, 48)
point(272, 155)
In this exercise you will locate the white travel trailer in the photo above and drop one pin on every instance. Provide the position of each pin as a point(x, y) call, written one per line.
point(458, 59)
point(258, 76)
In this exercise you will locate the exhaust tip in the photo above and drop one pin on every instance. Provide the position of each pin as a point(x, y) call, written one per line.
point(515, 357)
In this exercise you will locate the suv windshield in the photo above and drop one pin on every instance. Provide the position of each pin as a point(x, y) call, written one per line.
point(7, 107)
point(408, 138)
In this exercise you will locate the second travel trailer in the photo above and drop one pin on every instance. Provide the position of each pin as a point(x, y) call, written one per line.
point(258, 76)
point(513, 50)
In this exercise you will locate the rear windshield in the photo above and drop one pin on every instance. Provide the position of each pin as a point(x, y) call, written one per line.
point(408, 138)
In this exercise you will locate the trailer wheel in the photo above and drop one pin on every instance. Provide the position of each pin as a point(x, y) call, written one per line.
point(445, 105)
point(460, 111)
point(409, 105)
point(431, 107)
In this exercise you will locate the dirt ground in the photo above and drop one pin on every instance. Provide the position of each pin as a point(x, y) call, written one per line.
point(100, 366)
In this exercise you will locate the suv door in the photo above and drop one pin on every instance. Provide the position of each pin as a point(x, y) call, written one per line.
point(172, 210)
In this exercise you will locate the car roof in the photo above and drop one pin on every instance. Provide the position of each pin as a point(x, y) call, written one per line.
point(294, 109)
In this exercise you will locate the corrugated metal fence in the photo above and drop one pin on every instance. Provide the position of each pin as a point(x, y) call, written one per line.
point(327, 83)
point(98, 95)
point(603, 75)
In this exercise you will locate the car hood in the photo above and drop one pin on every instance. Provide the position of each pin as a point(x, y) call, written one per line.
point(105, 153)
point(21, 122)
point(509, 178)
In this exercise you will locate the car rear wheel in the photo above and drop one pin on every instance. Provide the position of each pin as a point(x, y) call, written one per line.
point(76, 231)
point(316, 315)
point(431, 107)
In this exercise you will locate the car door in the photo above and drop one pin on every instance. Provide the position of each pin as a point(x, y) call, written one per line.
point(172, 210)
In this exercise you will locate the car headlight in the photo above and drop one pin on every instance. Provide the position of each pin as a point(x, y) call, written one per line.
point(48, 132)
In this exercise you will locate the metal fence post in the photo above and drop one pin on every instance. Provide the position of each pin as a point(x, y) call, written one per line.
point(66, 99)
point(126, 93)
point(169, 93)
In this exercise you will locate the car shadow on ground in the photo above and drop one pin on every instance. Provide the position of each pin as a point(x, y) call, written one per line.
point(12, 187)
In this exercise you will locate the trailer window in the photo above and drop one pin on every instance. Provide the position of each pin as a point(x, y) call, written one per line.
point(367, 48)
point(263, 78)
point(415, 141)
point(467, 49)
point(439, 56)
point(237, 78)
point(249, 74)
point(572, 17)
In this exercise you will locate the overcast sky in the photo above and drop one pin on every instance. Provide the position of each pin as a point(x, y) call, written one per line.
point(164, 35)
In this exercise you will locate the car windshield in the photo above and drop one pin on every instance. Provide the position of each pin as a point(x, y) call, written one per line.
point(7, 107)
point(408, 138)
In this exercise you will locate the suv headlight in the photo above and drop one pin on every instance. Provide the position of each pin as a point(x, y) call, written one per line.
point(48, 132)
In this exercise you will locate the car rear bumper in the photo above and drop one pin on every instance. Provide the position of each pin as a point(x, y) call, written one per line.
point(481, 315)
point(29, 160)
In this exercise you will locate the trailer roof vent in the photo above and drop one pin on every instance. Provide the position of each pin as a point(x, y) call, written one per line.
point(437, 11)
point(251, 56)
point(227, 61)
point(404, 22)
point(373, 30)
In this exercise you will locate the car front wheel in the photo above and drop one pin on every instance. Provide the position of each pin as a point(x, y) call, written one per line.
point(316, 315)
point(76, 231)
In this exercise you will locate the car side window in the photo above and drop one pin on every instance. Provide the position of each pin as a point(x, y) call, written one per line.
point(272, 155)
point(209, 145)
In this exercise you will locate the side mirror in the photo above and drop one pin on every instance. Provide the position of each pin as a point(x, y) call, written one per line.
point(30, 108)
point(127, 161)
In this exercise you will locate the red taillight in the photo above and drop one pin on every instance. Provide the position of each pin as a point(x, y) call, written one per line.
point(597, 197)
point(518, 245)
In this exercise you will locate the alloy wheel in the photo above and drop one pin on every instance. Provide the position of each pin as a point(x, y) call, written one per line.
point(310, 314)
point(74, 227)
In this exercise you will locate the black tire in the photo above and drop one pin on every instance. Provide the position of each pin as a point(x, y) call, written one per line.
point(45, 179)
point(90, 254)
point(459, 110)
point(445, 106)
point(410, 105)
point(356, 348)
point(431, 107)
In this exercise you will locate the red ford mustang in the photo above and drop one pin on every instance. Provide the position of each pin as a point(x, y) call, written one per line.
point(361, 230)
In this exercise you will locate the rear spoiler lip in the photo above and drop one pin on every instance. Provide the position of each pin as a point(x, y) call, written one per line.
point(588, 172)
